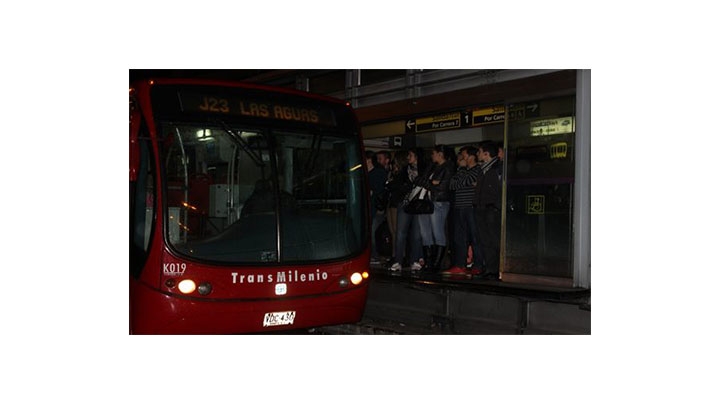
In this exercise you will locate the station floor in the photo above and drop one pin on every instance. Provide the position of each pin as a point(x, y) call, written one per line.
point(531, 291)
point(423, 303)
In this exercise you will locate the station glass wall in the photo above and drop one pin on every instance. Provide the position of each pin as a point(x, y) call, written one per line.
point(539, 179)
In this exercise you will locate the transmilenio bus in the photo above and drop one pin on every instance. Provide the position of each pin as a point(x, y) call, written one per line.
point(248, 209)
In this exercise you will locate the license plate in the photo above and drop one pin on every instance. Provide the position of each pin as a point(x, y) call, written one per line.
point(279, 318)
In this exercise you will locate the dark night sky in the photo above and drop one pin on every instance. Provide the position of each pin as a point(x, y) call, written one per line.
point(236, 74)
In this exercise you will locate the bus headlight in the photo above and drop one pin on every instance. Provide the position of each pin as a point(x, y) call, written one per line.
point(186, 286)
point(356, 278)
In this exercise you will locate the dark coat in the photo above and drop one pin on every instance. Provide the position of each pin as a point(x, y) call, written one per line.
point(444, 173)
point(488, 192)
point(400, 186)
point(377, 177)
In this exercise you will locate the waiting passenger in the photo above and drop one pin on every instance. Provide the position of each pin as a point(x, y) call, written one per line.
point(464, 226)
point(408, 226)
point(395, 196)
point(432, 226)
point(501, 157)
point(487, 203)
point(377, 176)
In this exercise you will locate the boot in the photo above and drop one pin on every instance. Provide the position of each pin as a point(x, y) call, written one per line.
point(438, 258)
point(431, 260)
point(426, 257)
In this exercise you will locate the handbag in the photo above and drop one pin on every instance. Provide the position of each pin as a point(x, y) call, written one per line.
point(420, 202)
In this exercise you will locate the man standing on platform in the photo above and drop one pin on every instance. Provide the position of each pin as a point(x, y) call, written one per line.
point(377, 175)
point(464, 225)
point(487, 203)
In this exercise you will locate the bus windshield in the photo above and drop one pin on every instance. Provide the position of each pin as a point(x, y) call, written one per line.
point(238, 193)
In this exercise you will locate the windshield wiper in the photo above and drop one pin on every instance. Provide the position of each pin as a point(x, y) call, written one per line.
point(254, 155)
point(314, 153)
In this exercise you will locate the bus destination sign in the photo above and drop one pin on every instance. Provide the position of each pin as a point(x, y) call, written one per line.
point(250, 107)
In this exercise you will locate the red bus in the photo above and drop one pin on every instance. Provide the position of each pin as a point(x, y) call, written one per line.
point(248, 209)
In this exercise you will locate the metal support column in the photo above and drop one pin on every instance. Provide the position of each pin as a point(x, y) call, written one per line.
point(412, 84)
point(581, 196)
point(352, 85)
point(302, 83)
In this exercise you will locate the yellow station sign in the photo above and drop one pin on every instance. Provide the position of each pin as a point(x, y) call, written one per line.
point(438, 122)
point(489, 115)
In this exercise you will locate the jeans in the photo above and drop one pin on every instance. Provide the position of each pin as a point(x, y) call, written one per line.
point(432, 226)
point(408, 227)
point(392, 225)
point(465, 232)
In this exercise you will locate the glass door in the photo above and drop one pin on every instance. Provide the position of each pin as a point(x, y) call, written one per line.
point(539, 178)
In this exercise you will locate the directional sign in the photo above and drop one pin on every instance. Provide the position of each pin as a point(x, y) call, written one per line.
point(489, 115)
point(438, 122)
point(522, 111)
point(410, 125)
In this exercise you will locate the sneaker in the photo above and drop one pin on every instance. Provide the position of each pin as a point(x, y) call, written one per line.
point(396, 267)
point(416, 266)
point(375, 260)
point(455, 271)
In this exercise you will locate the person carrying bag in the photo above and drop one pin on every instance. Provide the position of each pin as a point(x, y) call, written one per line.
point(402, 190)
point(420, 202)
point(433, 221)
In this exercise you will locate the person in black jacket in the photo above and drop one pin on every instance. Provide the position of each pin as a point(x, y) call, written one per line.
point(432, 226)
point(487, 204)
point(377, 176)
point(393, 198)
point(408, 226)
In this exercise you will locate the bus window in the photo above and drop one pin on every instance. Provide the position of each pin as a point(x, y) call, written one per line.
point(235, 218)
point(219, 186)
point(320, 174)
point(142, 195)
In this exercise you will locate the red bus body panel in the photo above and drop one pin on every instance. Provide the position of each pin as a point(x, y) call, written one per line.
point(239, 307)
point(176, 315)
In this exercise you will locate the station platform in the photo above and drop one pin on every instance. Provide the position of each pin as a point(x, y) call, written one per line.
point(417, 302)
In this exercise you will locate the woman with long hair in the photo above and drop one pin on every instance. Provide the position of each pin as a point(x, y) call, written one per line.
point(432, 226)
point(408, 226)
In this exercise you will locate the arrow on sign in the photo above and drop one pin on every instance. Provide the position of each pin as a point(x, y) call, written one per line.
point(410, 124)
point(532, 107)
